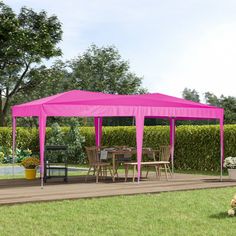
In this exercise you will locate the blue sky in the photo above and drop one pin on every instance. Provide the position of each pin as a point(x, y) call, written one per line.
point(173, 44)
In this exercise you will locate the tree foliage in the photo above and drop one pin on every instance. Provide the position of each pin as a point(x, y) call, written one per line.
point(98, 69)
point(211, 99)
point(191, 95)
point(103, 69)
point(228, 103)
point(26, 40)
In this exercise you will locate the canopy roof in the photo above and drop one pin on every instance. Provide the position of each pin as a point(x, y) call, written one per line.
point(85, 103)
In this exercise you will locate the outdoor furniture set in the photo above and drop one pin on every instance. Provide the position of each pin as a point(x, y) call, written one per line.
point(103, 159)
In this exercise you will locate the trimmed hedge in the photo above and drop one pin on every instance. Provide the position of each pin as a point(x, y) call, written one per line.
point(196, 147)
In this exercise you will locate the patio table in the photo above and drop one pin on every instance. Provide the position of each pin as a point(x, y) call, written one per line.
point(116, 153)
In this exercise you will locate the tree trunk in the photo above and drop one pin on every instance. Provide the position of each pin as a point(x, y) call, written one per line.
point(3, 111)
point(4, 115)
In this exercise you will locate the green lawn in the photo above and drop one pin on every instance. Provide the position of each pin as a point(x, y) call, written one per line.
point(198, 172)
point(121, 171)
point(201, 212)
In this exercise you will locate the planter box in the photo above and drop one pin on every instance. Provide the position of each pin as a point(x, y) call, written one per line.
point(232, 174)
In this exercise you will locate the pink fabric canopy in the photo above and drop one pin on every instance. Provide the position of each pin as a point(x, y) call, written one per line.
point(98, 105)
point(83, 103)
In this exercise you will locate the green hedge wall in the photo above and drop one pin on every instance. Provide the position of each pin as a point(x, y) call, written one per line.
point(196, 147)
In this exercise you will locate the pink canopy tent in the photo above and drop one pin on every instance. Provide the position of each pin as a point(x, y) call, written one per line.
point(98, 105)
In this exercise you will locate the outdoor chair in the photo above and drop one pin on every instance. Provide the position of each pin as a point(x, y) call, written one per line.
point(152, 162)
point(99, 168)
point(162, 163)
point(121, 159)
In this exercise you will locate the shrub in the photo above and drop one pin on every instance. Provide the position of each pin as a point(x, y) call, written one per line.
point(196, 147)
point(74, 140)
point(70, 137)
point(1, 157)
point(7, 155)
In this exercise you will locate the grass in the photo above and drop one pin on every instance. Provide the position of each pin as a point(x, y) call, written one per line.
point(8, 164)
point(199, 212)
point(198, 172)
point(19, 176)
point(11, 176)
point(122, 171)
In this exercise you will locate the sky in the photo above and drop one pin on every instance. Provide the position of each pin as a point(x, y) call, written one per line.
point(172, 44)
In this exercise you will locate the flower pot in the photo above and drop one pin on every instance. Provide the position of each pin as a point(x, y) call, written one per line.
point(30, 173)
point(232, 174)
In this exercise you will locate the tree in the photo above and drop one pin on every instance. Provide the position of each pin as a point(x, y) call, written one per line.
point(228, 103)
point(211, 99)
point(102, 69)
point(191, 95)
point(50, 81)
point(44, 82)
point(26, 41)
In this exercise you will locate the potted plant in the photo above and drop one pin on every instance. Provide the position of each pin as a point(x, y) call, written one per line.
point(30, 164)
point(230, 164)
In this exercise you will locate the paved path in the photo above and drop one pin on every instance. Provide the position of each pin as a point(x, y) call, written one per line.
point(24, 191)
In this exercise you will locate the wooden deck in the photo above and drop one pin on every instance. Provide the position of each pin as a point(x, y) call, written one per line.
point(23, 191)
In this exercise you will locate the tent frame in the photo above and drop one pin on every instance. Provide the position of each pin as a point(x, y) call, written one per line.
point(78, 103)
point(98, 141)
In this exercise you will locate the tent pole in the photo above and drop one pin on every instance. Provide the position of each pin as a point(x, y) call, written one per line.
point(139, 141)
point(42, 133)
point(13, 144)
point(98, 130)
point(172, 142)
point(221, 146)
